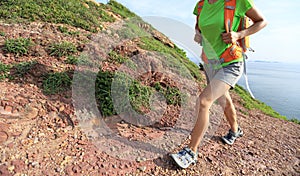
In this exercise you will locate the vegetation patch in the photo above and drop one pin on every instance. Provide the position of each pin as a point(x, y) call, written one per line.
point(4, 71)
point(172, 94)
point(65, 30)
point(295, 121)
point(131, 29)
point(114, 57)
point(103, 93)
point(62, 49)
point(138, 95)
point(19, 46)
point(22, 68)
point(56, 82)
point(178, 59)
point(250, 103)
point(83, 60)
point(120, 9)
point(3, 34)
point(78, 13)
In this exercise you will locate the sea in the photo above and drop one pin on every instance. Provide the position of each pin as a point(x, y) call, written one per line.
point(276, 84)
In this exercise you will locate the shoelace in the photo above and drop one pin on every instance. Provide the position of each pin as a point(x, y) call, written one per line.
point(230, 135)
point(185, 156)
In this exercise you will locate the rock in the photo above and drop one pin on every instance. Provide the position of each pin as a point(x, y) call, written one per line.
point(3, 136)
point(142, 168)
point(35, 164)
point(31, 113)
point(8, 109)
point(11, 168)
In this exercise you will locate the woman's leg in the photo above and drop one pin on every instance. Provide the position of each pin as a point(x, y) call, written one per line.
point(230, 112)
point(213, 91)
point(226, 103)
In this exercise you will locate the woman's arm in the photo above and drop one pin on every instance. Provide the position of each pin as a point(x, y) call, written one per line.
point(259, 22)
point(198, 37)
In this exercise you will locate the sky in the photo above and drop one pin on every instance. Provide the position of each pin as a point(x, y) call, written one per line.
point(278, 41)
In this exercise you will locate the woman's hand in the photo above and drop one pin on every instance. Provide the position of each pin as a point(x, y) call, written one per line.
point(230, 37)
point(198, 38)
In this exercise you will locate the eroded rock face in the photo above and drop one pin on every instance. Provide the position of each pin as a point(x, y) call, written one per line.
point(160, 37)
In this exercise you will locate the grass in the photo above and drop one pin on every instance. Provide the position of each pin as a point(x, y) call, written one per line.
point(62, 49)
point(71, 12)
point(19, 46)
point(249, 103)
point(56, 82)
point(177, 58)
point(172, 94)
point(135, 93)
point(131, 30)
point(4, 71)
point(138, 95)
point(23, 67)
point(103, 93)
point(80, 60)
point(3, 34)
point(65, 30)
point(120, 9)
point(295, 121)
point(116, 58)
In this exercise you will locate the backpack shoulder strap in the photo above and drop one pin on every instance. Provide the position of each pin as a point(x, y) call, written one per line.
point(229, 10)
point(200, 6)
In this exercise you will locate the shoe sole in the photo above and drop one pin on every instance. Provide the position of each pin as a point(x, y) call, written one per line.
point(178, 162)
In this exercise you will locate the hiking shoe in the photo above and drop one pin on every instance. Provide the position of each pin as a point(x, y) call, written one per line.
point(185, 158)
point(231, 136)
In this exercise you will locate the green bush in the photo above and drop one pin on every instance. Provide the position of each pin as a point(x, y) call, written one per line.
point(62, 49)
point(4, 71)
point(24, 67)
point(295, 121)
point(172, 94)
point(19, 46)
point(56, 82)
point(139, 95)
point(114, 57)
point(83, 60)
point(2, 34)
point(103, 93)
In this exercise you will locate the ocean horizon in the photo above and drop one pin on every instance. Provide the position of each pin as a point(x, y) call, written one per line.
point(276, 84)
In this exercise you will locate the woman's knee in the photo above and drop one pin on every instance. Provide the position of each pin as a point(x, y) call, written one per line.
point(204, 102)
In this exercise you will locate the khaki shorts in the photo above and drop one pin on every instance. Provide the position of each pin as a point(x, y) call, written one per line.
point(229, 74)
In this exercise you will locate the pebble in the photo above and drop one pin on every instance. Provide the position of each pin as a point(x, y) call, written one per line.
point(35, 164)
point(143, 168)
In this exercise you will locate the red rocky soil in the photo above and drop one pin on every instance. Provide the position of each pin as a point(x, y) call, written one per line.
point(40, 134)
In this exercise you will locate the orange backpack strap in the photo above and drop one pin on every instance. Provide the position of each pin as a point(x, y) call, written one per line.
point(229, 10)
point(200, 6)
